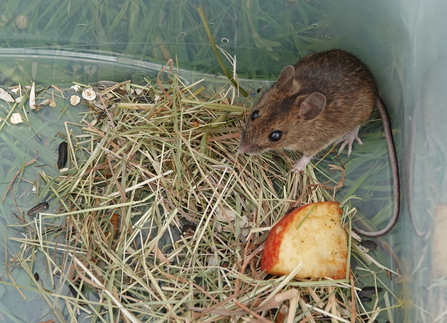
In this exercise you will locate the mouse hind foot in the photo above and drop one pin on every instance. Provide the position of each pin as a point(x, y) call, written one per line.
point(348, 140)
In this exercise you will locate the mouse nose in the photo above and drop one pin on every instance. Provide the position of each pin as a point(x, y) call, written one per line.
point(247, 148)
point(243, 148)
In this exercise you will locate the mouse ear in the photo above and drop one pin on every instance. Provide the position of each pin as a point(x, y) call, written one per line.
point(286, 75)
point(312, 106)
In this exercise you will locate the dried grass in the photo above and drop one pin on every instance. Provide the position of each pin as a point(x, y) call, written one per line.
point(161, 219)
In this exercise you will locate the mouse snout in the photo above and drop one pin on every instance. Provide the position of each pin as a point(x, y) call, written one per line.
point(247, 148)
point(244, 148)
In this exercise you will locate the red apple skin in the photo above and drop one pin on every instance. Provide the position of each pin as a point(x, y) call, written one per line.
point(271, 252)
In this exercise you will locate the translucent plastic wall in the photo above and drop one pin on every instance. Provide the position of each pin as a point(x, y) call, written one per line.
point(402, 41)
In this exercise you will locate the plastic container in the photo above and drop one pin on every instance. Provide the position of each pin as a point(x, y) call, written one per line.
point(58, 42)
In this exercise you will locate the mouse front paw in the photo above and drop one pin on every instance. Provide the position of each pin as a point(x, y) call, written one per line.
point(349, 140)
point(301, 164)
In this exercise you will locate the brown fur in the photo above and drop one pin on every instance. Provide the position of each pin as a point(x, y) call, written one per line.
point(350, 92)
point(314, 103)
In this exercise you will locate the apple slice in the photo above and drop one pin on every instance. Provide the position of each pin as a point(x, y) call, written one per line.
point(311, 234)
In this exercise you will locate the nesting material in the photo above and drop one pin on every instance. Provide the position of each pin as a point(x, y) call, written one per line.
point(311, 234)
point(161, 216)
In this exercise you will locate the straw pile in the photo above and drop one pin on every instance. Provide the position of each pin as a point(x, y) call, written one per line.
point(160, 219)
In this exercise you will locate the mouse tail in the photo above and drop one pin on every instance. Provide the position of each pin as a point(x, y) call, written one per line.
point(394, 171)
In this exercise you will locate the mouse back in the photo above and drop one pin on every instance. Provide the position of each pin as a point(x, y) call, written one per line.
point(313, 103)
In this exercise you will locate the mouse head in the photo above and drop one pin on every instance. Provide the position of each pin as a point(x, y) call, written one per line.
point(278, 116)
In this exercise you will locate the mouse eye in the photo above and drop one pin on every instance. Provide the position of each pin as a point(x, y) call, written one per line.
point(254, 115)
point(275, 136)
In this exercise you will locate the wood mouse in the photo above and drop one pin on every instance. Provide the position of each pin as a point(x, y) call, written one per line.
point(323, 99)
